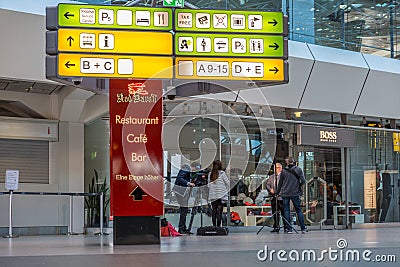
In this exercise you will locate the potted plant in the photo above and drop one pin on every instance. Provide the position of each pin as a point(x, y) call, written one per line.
point(92, 203)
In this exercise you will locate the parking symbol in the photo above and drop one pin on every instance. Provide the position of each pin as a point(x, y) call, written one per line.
point(238, 45)
point(106, 16)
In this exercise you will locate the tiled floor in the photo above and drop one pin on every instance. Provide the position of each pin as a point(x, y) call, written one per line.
point(236, 249)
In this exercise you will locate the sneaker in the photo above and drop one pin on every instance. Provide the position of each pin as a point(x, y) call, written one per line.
point(288, 232)
point(305, 231)
point(275, 230)
point(186, 232)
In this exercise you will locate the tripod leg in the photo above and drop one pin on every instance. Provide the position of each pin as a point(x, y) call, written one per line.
point(197, 201)
point(193, 213)
point(265, 224)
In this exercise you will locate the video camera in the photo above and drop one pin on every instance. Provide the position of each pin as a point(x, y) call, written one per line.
point(200, 178)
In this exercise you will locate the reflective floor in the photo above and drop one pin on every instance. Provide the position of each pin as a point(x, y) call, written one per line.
point(236, 249)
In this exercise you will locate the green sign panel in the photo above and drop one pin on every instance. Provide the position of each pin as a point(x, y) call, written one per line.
point(174, 3)
point(230, 21)
point(115, 17)
point(232, 45)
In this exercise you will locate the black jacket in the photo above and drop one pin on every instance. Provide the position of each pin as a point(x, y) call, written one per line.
point(183, 178)
point(289, 185)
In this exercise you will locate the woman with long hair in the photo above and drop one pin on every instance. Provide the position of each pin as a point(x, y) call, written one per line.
point(218, 191)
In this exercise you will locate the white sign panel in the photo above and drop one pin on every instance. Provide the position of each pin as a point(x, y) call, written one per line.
point(247, 69)
point(185, 20)
point(87, 16)
point(210, 69)
point(12, 177)
point(97, 65)
point(370, 189)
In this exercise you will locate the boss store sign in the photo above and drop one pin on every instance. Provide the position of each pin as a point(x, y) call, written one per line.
point(322, 136)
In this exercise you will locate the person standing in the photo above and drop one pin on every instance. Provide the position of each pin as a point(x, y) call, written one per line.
point(289, 188)
point(218, 191)
point(182, 182)
point(276, 201)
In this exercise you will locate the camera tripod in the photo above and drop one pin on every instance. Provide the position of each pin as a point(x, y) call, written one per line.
point(196, 205)
point(277, 215)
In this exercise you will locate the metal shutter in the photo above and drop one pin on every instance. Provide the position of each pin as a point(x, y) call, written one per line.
point(30, 157)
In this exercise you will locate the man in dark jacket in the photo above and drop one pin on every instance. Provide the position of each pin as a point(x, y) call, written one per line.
point(289, 188)
point(182, 182)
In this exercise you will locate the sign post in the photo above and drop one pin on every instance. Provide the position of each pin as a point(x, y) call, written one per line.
point(12, 179)
point(136, 160)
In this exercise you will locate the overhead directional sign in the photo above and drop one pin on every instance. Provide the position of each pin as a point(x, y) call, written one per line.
point(141, 42)
point(230, 21)
point(110, 66)
point(230, 69)
point(87, 16)
point(108, 41)
point(233, 45)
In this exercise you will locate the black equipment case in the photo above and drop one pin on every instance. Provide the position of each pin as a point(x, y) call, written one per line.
point(212, 230)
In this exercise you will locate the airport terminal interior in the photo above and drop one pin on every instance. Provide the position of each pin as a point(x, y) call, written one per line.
point(337, 116)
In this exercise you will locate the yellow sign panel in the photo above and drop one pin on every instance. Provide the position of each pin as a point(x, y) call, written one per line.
point(396, 142)
point(230, 69)
point(110, 66)
point(116, 42)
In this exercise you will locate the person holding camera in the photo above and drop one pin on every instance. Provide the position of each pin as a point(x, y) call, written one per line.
point(276, 201)
point(289, 188)
point(218, 191)
point(182, 183)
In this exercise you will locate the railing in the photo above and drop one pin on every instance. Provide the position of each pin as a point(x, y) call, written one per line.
point(71, 195)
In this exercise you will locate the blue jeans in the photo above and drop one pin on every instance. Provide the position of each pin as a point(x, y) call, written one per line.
point(286, 211)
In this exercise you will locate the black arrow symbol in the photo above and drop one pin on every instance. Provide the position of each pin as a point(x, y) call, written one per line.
point(273, 22)
point(69, 64)
point(137, 193)
point(275, 69)
point(70, 40)
point(275, 46)
point(67, 15)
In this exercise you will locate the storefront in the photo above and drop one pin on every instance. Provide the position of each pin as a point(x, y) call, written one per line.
point(321, 153)
point(345, 166)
